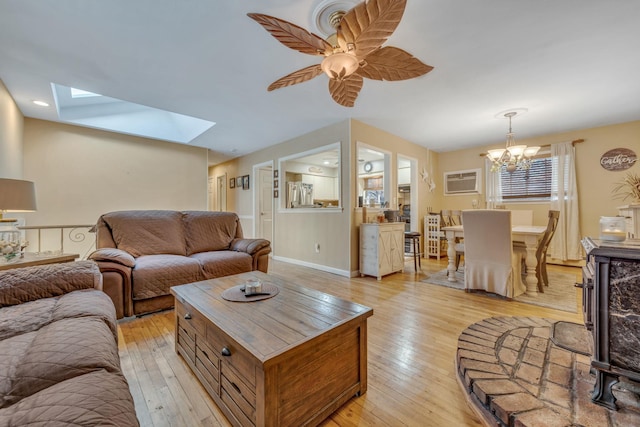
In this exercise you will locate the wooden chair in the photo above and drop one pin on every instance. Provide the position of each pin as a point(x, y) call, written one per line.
point(455, 218)
point(541, 253)
point(491, 262)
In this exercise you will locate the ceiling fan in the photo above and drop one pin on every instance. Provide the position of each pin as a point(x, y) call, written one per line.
point(354, 52)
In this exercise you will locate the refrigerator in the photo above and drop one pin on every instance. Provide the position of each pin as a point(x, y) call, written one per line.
point(299, 194)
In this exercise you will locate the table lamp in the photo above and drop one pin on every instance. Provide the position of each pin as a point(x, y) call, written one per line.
point(15, 196)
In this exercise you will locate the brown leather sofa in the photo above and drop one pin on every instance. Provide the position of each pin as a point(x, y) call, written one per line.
point(141, 254)
point(59, 363)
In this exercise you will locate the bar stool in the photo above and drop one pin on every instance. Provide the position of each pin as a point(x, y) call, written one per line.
point(414, 239)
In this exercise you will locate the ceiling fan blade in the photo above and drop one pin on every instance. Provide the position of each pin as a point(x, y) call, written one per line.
point(291, 35)
point(296, 77)
point(370, 23)
point(345, 91)
point(391, 63)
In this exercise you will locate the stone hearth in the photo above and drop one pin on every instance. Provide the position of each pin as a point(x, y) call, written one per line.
point(514, 373)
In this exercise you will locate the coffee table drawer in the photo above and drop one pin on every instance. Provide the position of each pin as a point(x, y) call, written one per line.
point(233, 382)
point(236, 404)
point(187, 341)
point(190, 316)
point(208, 365)
point(232, 355)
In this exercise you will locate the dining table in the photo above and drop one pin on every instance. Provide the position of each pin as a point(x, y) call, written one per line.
point(530, 235)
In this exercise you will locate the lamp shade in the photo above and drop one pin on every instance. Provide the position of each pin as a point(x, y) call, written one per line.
point(17, 195)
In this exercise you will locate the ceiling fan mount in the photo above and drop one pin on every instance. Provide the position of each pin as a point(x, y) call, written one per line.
point(353, 48)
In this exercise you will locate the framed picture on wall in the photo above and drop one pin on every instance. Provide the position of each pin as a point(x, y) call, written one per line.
point(275, 173)
point(232, 183)
point(239, 182)
point(275, 194)
point(245, 182)
point(275, 183)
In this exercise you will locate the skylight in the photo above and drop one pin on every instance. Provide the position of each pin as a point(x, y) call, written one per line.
point(84, 108)
point(79, 93)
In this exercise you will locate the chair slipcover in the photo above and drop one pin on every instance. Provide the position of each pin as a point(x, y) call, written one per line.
point(491, 263)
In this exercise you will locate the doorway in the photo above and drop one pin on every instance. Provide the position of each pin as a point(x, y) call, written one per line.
point(263, 223)
point(221, 194)
point(407, 192)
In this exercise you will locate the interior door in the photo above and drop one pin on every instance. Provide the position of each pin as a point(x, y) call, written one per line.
point(265, 204)
point(222, 193)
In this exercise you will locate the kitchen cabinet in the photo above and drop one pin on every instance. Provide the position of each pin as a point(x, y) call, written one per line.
point(324, 187)
point(611, 309)
point(381, 248)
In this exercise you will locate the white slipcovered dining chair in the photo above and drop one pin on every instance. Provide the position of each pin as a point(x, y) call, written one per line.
point(490, 262)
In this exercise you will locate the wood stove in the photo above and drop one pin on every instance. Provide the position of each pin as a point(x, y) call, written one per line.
point(611, 308)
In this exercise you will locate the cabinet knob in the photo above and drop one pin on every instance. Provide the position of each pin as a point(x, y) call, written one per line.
point(187, 316)
point(226, 351)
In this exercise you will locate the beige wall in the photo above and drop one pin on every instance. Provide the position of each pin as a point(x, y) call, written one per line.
point(81, 173)
point(595, 184)
point(295, 233)
point(369, 135)
point(11, 128)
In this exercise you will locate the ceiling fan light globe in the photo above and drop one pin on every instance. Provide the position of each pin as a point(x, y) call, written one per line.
point(511, 167)
point(339, 65)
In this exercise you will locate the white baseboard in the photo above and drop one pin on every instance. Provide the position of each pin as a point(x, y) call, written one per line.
point(320, 267)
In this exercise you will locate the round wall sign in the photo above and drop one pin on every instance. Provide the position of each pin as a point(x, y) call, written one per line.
point(618, 159)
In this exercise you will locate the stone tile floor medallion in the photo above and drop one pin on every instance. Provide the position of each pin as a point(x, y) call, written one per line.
point(522, 372)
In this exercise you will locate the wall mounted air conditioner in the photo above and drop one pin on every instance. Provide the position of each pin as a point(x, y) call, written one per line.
point(463, 182)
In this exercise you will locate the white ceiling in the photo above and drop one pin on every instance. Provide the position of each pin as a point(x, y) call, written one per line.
point(572, 63)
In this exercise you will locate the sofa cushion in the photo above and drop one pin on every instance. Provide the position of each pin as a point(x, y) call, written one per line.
point(62, 350)
point(209, 231)
point(147, 232)
point(36, 314)
point(97, 398)
point(155, 274)
point(223, 263)
point(20, 285)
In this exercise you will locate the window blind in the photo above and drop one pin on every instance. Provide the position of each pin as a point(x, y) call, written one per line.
point(532, 183)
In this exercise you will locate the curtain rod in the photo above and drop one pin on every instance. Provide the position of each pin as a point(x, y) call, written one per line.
point(574, 142)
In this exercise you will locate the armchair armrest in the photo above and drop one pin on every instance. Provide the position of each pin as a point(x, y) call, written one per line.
point(114, 255)
point(26, 284)
point(250, 246)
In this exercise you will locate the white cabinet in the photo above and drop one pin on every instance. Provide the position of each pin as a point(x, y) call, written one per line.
point(381, 248)
point(632, 219)
point(324, 187)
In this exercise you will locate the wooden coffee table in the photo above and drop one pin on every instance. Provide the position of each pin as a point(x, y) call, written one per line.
point(290, 360)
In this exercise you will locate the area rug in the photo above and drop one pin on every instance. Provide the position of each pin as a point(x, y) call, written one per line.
point(559, 295)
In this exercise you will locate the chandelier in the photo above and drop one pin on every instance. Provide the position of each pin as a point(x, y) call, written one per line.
point(513, 156)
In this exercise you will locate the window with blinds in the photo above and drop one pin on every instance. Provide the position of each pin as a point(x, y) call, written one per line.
point(533, 184)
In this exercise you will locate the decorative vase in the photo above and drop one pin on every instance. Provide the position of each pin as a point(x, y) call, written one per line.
point(10, 244)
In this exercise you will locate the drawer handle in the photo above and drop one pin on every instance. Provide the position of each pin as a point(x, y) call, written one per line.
point(226, 351)
point(236, 387)
point(187, 316)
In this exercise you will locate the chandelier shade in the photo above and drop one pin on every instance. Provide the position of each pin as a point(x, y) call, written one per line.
point(513, 156)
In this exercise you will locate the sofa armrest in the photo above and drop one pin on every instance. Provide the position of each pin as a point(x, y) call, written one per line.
point(250, 246)
point(21, 285)
point(117, 284)
point(113, 255)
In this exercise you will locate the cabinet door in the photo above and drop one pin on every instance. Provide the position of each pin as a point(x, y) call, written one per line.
point(397, 250)
point(385, 246)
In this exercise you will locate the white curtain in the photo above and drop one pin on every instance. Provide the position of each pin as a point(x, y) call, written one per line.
point(494, 187)
point(565, 244)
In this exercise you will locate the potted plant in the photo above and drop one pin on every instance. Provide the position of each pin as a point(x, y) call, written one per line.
point(628, 188)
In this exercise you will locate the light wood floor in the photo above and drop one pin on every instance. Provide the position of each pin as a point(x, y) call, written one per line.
point(412, 340)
